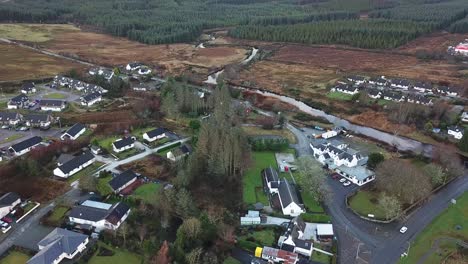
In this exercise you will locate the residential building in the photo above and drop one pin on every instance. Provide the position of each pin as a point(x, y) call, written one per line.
point(123, 144)
point(25, 146)
point(19, 101)
point(379, 81)
point(422, 87)
point(28, 88)
point(73, 132)
point(451, 91)
point(43, 121)
point(91, 99)
point(144, 71)
point(276, 255)
point(106, 73)
point(8, 202)
point(456, 131)
point(289, 199)
point(58, 245)
point(271, 180)
point(358, 80)
point(64, 158)
point(155, 134)
point(251, 218)
point(52, 105)
point(178, 153)
point(329, 134)
point(100, 215)
point(10, 118)
point(123, 180)
point(345, 88)
point(75, 165)
point(418, 99)
point(133, 66)
point(141, 87)
point(294, 239)
point(324, 231)
point(358, 175)
point(400, 84)
point(393, 96)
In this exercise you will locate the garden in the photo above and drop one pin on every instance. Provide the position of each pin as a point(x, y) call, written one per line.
point(107, 254)
point(15, 257)
point(146, 192)
point(253, 183)
point(250, 238)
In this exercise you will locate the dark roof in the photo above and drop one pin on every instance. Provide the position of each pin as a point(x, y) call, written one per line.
point(378, 80)
point(287, 247)
point(8, 199)
point(56, 243)
point(64, 158)
point(52, 102)
point(156, 132)
point(305, 244)
point(271, 174)
point(135, 64)
point(420, 98)
point(91, 96)
point(30, 142)
point(356, 78)
point(123, 142)
point(346, 87)
point(373, 92)
point(88, 213)
point(19, 99)
point(288, 193)
point(425, 85)
point(76, 162)
point(335, 150)
point(117, 212)
point(27, 86)
point(7, 116)
point(395, 96)
point(449, 89)
point(75, 129)
point(346, 156)
point(122, 179)
point(400, 82)
point(37, 118)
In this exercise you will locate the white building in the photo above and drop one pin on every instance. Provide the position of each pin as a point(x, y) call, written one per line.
point(123, 144)
point(464, 117)
point(28, 88)
point(289, 200)
point(8, 202)
point(456, 132)
point(100, 215)
point(123, 180)
point(73, 132)
point(52, 105)
point(155, 134)
point(25, 146)
point(345, 88)
point(10, 118)
point(91, 99)
point(75, 165)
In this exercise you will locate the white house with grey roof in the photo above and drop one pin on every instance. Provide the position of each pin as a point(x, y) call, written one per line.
point(155, 134)
point(289, 199)
point(99, 215)
point(38, 120)
point(123, 180)
point(10, 118)
point(294, 239)
point(345, 88)
point(271, 180)
point(25, 146)
point(75, 165)
point(123, 144)
point(58, 245)
point(8, 201)
point(28, 88)
point(455, 131)
point(17, 102)
point(91, 99)
point(52, 105)
point(73, 132)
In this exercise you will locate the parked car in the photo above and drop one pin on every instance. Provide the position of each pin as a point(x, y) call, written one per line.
point(7, 220)
point(342, 180)
point(5, 127)
point(403, 229)
point(3, 224)
point(347, 183)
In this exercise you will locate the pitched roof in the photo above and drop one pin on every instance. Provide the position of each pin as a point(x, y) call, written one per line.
point(271, 174)
point(97, 211)
point(156, 132)
point(356, 78)
point(76, 162)
point(117, 212)
point(455, 128)
point(345, 87)
point(378, 80)
point(425, 85)
point(51, 102)
point(123, 178)
point(400, 82)
point(75, 129)
point(123, 142)
point(373, 92)
point(37, 118)
point(27, 86)
point(19, 99)
point(287, 194)
point(7, 116)
point(56, 243)
point(8, 199)
point(30, 142)
point(91, 96)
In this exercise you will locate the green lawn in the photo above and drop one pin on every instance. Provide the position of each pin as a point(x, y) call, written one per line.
point(120, 257)
point(339, 96)
point(253, 180)
point(443, 226)
point(58, 214)
point(362, 204)
point(261, 238)
point(146, 192)
point(55, 96)
point(106, 143)
point(231, 260)
point(88, 170)
point(11, 138)
point(15, 257)
point(320, 257)
point(310, 203)
point(103, 186)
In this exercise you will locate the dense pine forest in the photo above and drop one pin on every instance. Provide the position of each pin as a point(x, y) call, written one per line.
point(360, 23)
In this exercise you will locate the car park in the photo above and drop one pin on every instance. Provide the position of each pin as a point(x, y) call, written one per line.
point(403, 229)
point(342, 180)
point(347, 183)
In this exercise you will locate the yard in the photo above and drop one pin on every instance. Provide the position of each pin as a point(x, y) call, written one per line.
point(15, 257)
point(57, 215)
point(88, 170)
point(320, 257)
point(253, 185)
point(444, 226)
point(365, 202)
point(103, 186)
point(254, 239)
point(119, 256)
point(55, 96)
point(339, 96)
point(146, 192)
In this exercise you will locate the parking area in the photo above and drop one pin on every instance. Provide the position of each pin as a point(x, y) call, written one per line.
point(9, 137)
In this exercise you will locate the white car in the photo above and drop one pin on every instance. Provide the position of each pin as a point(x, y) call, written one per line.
point(403, 229)
point(347, 183)
point(342, 180)
point(3, 224)
point(5, 126)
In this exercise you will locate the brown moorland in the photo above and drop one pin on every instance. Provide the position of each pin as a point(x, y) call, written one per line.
point(436, 42)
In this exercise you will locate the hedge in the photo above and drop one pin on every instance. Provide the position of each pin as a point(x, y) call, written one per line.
point(316, 218)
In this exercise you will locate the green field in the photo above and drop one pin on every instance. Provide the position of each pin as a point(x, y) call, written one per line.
point(33, 32)
point(146, 192)
point(103, 186)
point(444, 226)
point(55, 96)
point(231, 260)
point(339, 96)
point(362, 204)
point(120, 257)
point(253, 180)
point(15, 257)
point(58, 214)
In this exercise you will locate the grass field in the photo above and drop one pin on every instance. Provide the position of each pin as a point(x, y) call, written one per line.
point(58, 214)
point(120, 257)
point(11, 138)
point(262, 238)
point(55, 96)
point(15, 257)
point(33, 32)
point(103, 185)
point(146, 192)
point(443, 226)
point(256, 131)
point(362, 204)
point(253, 179)
point(339, 96)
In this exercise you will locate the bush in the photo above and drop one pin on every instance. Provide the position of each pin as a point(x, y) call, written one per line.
point(247, 245)
point(316, 218)
point(269, 144)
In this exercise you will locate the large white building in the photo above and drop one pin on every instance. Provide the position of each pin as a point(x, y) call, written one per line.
point(75, 165)
point(100, 215)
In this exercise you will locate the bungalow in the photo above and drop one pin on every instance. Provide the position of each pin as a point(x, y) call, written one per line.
point(58, 245)
point(422, 87)
point(75, 165)
point(42, 121)
point(419, 99)
point(456, 132)
point(91, 99)
point(73, 132)
point(400, 84)
point(358, 175)
point(178, 153)
point(155, 134)
point(123, 144)
point(133, 66)
point(345, 88)
point(106, 73)
point(294, 240)
point(289, 199)
point(449, 91)
point(10, 118)
point(276, 255)
point(356, 79)
point(62, 81)
point(379, 81)
point(392, 96)
point(25, 146)
point(99, 215)
point(52, 105)
point(121, 181)
point(20, 101)
point(374, 93)
point(7, 202)
point(271, 178)
point(144, 71)
point(28, 88)
point(324, 231)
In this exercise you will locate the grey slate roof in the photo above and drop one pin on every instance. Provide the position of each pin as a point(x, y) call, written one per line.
point(37, 118)
point(47, 102)
point(76, 162)
point(425, 85)
point(345, 87)
point(19, 99)
point(113, 214)
point(123, 178)
point(400, 82)
point(91, 96)
point(55, 243)
point(27, 86)
point(75, 129)
point(30, 142)
point(156, 132)
point(123, 142)
point(288, 193)
point(271, 174)
point(7, 116)
point(8, 198)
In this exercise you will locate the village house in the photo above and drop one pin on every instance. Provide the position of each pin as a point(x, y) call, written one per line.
point(141, 87)
point(155, 134)
point(271, 180)
point(91, 99)
point(133, 66)
point(52, 105)
point(99, 215)
point(276, 255)
point(17, 102)
point(75, 165)
point(73, 132)
point(10, 118)
point(58, 245)
point(400, 84)
point(419, 99)
point(289, 199)
point(42, 121)
point(358, 175)
point(422, 87)
point(64, 158)
point(123, 144)
point(178, 153)
point(8, 202)
point(451, 91)
point(144, 71)
point(374, 93)
point(345, 88)
point(379, 81)
point(455, 131)
point(25, 146)
point(123, 180)
point(28, 88)
point(294, 239)
point(392, 96)
point(358, 80)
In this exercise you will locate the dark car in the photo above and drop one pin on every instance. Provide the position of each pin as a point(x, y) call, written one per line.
point(7, 220)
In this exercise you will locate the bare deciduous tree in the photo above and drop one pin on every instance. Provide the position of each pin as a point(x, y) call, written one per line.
point(313, 178)
point(390, 205)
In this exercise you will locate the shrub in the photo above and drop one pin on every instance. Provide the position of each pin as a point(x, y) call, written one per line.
point(247, 245)
point(316, 218)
